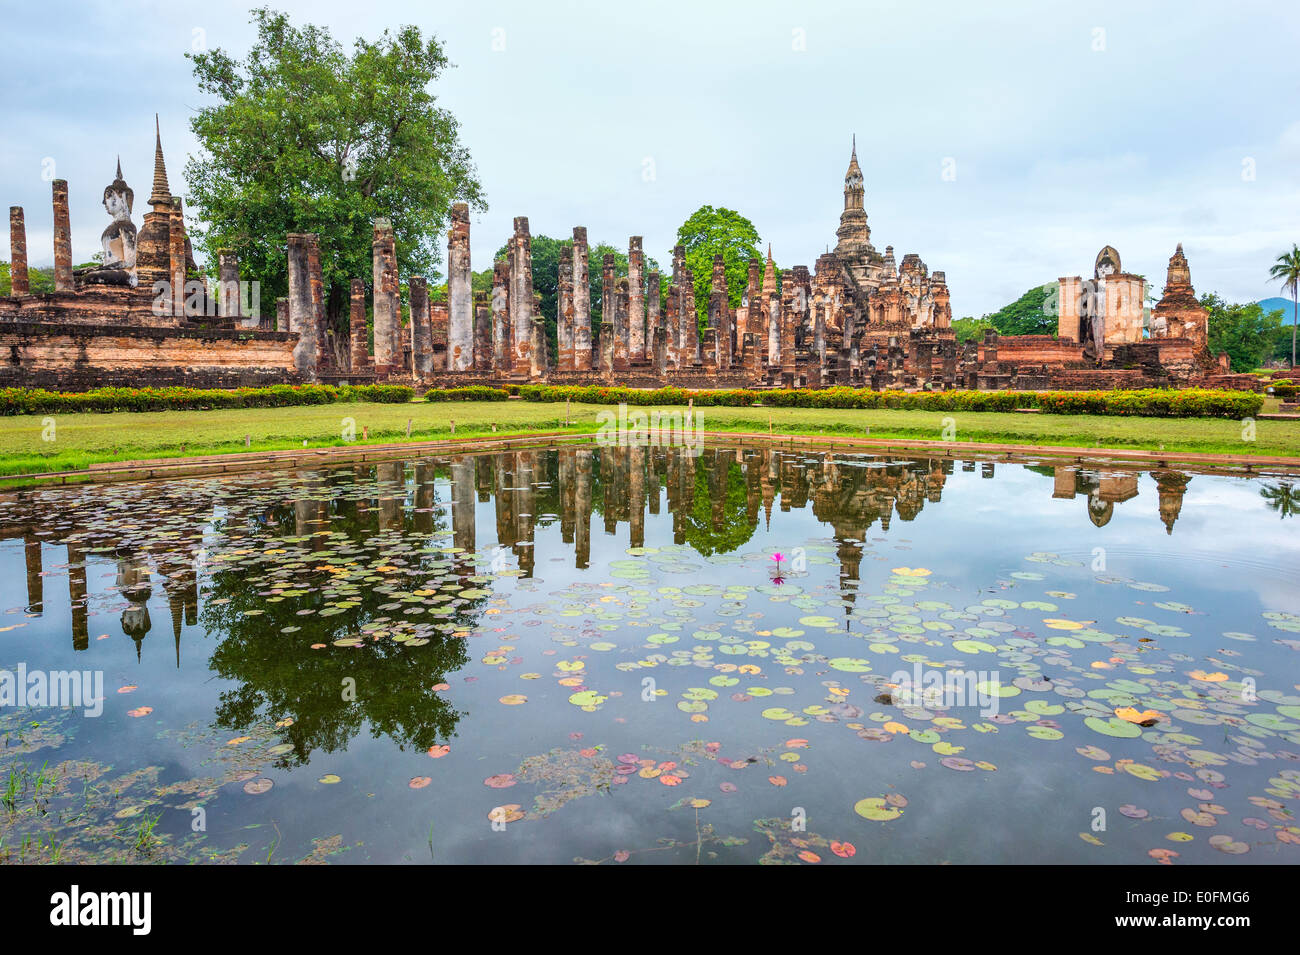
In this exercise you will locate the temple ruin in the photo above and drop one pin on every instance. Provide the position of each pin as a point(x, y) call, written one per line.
point(147, 315)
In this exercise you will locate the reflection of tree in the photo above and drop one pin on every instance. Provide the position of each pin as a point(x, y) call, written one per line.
point(1283, 497)
point(717, 519)
point(276, 676)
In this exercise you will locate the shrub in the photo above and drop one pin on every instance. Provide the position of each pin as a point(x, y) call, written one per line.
point(40, 401)
point(467, 393)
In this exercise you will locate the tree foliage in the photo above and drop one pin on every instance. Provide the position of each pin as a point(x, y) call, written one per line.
point(709, 232)
point(1244, 331)
point(1287, 271)
point(305, 136)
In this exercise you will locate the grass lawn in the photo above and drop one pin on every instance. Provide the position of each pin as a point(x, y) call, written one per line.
point(83, 439)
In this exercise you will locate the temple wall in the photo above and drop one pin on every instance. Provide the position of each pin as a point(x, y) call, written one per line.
point(76, 357)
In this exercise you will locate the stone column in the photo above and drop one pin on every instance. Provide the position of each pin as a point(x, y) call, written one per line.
point(773, 330)
point(503, 352)
point(789, 317)
point(482, 333)
point(387, 300)
point(564, 313)
point(62, 238)
point(357, 326)
point(606, 343)
point(227, 284)
point(302, 317)
point(718, 312)
point(607, 295)
point(636, 335)
point(655, 343)
point(690, 323)
point(460, 302)
point(421, 328)
point(176, 257)
point(673, 327)
point(18, 252)
point(281, 314)
point(622, 298)
point(539, 354)
point(581, 301)
point(521, 295)
point(324, 344)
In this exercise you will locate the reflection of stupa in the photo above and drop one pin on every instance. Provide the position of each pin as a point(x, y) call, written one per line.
point(1170, 485)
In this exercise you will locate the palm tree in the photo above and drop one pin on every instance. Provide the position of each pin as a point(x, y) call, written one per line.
point(1287, 271)
point(1282, 497)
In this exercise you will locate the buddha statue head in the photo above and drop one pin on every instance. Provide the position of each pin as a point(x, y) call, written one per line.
point(119, 238)
point(1107, 263)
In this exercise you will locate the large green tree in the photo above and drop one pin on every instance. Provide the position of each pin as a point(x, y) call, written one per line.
point(305, 136)
point(725, 232)
point(1287, 271)
point(1244, 331)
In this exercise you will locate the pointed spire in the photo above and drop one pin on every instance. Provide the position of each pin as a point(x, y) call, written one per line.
point(855, 146)
point(119, 167)
point(162, 194)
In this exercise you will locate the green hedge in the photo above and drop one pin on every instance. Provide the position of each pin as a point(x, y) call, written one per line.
point(1152, 402)
point(15, 401)
point(467, 393)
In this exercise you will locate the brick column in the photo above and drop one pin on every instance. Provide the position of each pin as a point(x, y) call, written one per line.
point(302, 316)
point(357, 326)
point(460, 299)
point(521, 295)
point(564, 312)
point(18, 252)
point(387, 299)
point(62, 238)
point(482, 332)
point(673, 327)
point(503, 353)
point(581, 301)
point(421, 328)
point(690, 354)
point(636, 335)
point(324, 349)
point(227, 284)
point(718, 313)
point(176, 256)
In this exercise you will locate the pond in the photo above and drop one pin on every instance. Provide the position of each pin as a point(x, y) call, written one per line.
point(640, 654)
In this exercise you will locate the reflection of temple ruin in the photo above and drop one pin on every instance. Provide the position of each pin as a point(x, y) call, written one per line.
point(716, 501)
point(1103, 490)
point(147, 316)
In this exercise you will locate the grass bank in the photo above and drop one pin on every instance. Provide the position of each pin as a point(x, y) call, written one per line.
point(79, 440)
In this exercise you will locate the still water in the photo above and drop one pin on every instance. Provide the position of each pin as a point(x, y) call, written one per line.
point(630, 655)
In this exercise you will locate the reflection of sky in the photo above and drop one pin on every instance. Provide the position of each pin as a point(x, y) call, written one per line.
point(1229, 557)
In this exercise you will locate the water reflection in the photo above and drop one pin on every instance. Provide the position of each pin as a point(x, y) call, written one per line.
point(315, 611)
point(714, 500)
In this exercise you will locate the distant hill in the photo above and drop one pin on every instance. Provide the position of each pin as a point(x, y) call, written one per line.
point(1275, 303)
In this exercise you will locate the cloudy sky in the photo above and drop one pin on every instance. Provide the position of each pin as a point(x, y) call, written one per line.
point(1005, 146)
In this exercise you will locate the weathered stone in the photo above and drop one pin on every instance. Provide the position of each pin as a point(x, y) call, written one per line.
point(564, 313)
point(227, 284)
point(302, 314)
point(520, 257)
point(62, 238)
point(482, 332)
point(460, 329)
point(503, 353)
point(18, 280)
point(417, 290)
point(387, 299)
point(636, 324)
point(581, 301)
point(357, 327)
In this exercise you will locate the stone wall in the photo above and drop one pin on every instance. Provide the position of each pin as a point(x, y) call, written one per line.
point(76, 357)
